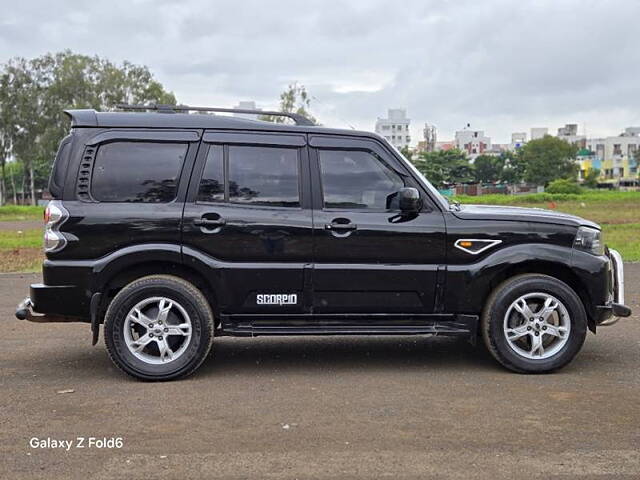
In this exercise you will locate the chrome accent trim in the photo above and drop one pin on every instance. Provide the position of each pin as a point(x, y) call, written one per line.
point(490, 243)
point(618, 271)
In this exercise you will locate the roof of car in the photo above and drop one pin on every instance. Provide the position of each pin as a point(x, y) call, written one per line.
point(92, 118)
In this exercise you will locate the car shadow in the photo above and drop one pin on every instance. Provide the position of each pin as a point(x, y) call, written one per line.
point(301, 354)
point(343, 353)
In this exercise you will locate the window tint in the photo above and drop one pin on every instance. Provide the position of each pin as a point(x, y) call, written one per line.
point(358, 179)
point(56, 182)
point(212, 183)
point(137, 172)
point(264, 176)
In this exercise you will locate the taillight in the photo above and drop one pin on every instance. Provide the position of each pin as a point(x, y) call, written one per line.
point(54, 215)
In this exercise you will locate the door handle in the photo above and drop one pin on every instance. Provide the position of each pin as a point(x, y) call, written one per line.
point(208, 223)
point(341, 227)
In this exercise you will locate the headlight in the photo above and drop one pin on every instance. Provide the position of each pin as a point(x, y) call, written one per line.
point(589, 240)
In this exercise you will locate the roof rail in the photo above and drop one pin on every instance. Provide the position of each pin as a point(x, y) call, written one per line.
point(296, 117)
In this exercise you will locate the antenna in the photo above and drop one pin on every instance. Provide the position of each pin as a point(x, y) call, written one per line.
point(160, 108)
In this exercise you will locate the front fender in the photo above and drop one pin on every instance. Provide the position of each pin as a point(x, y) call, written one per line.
point(468, 285)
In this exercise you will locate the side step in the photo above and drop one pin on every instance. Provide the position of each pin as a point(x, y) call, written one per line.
point(410, 324)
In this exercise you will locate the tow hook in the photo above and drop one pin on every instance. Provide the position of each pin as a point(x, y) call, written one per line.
point(25, 312)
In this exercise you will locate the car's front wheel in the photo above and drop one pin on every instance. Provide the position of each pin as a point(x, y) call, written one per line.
point(534, 324)
point(159, 327)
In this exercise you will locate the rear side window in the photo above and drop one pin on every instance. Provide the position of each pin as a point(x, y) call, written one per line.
point(137, 172)
point(264, 176)
point(60, 164)
point(254, 175)
point(212, 183)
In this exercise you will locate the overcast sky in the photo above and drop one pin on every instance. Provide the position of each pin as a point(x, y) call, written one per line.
point(502, 66)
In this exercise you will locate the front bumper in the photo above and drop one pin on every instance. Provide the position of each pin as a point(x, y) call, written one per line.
point(615, 308)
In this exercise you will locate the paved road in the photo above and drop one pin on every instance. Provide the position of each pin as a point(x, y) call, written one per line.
point(319, 408)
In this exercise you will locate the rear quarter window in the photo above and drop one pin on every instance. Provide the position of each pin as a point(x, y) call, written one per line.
point(143, 172)
point(60, 165)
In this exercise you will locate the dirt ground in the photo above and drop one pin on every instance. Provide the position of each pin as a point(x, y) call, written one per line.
point(330, 407)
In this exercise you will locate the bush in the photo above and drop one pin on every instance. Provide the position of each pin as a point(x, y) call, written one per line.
point(563, 185)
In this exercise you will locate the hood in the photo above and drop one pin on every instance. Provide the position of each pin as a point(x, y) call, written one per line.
point(519, 214)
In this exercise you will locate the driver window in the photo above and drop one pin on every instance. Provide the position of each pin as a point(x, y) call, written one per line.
point(358, 180)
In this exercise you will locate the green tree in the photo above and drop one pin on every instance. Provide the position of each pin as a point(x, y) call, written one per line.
point(513, 168)
point(548, 158)
point(407, 153)
point(34, 93)
point(444, 167)
point(488, 168)
point(294, 99)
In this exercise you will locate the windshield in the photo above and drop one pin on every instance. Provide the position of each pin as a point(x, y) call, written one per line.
point(444, 201)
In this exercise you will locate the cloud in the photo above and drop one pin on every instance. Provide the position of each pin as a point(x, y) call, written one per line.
point(502, 66)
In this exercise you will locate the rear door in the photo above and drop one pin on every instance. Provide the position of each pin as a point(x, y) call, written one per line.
point(248, 216)
point(369, 258)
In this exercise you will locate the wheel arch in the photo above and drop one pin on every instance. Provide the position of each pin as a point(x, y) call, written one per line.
point(470, 285)
point(556, 270)
point(114, 275)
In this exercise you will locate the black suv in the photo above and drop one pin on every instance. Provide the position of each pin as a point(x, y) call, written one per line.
point(171, 228)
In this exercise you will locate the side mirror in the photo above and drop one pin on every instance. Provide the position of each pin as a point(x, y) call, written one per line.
point(409, 200)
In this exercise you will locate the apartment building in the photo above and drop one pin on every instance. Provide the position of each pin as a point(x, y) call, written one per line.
point(539, 132)
point(569, 133)
point(518, 139)
point(615, 157)
point(474, 142)
point(395, 128)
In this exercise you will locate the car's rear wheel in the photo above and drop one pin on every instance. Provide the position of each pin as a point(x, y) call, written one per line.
point(534, 324)
point(159, 327)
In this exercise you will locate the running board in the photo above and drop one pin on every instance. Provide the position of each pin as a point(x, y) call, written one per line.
point(350, 324)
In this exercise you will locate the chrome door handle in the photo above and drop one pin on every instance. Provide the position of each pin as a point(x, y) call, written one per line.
point(341, 227)
point(208, 223)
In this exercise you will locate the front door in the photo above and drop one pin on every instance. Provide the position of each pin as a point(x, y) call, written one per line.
point(248, 217)
point(368, 257)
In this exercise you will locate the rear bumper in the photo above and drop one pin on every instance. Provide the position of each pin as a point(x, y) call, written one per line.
point(68, 300)
point(615, 308)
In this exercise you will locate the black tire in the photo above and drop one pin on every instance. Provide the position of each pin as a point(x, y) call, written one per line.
point(492, 322)
point(189, 298)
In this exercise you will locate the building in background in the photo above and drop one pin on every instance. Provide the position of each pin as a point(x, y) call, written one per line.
point(539, 132)
point(430, 135)
point(395, 128)
point(569, 133)
point(474, 142)
point(615, 157)
point(518, 139)
point(246, 105)
point(587, 161)
point(445, 145)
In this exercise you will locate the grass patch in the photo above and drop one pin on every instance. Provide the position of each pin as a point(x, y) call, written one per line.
point(625, 238)
point(590, 196)
point(20, 213)
point(617, 212)
point(10, 239)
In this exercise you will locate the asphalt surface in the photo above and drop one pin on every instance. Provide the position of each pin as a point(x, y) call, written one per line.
point(341, 407)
